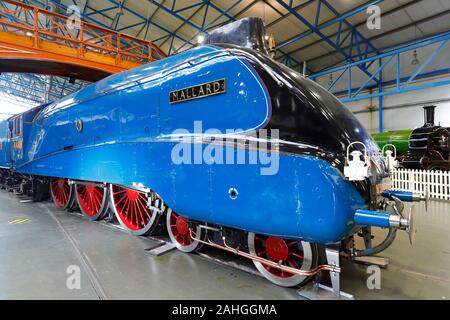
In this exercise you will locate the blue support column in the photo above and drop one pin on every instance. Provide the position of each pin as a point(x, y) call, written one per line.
point(380, 99)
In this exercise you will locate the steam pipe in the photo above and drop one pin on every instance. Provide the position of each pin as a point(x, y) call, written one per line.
point(381, 247)
point(226, 247)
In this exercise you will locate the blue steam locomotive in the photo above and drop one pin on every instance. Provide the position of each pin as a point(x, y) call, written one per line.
point(223, 145)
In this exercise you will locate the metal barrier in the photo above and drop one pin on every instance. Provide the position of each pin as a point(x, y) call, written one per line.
point(27, 27)
point(418, 180)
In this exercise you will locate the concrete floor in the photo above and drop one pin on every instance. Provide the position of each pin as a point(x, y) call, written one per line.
point(35, 255)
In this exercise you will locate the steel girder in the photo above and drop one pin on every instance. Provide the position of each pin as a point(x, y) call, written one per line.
point(38, 88)
point(391, 59)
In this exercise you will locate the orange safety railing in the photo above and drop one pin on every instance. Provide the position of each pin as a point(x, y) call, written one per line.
point(43, 30)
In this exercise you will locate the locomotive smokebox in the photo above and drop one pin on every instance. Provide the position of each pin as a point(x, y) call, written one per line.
point(429, 116)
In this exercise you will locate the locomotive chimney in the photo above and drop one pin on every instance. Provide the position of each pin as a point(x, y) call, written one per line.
point(248, 32)
point(429, 115)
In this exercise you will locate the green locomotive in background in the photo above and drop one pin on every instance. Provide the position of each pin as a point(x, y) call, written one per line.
point(400, 139)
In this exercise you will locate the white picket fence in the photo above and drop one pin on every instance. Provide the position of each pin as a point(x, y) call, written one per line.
point(415, 180)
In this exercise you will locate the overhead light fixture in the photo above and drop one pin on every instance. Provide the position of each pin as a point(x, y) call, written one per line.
point(415, 60)
point(266, 37)
point(29, 34)
point(200, 39)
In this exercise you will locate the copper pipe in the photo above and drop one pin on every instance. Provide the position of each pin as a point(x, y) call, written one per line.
point(323, 267)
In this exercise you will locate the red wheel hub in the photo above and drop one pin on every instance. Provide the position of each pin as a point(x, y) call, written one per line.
point(277, 249)
point(180, 229)
point(182, 226)
point(90, 189)
point(132, 194)
point(287, 252)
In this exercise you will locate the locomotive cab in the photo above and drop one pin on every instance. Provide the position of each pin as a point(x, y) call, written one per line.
point(20, 127)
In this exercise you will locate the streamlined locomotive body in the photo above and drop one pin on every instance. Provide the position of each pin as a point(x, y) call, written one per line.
point(232, 148)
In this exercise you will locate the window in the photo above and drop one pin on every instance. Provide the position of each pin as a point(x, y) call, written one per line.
point(18, 126)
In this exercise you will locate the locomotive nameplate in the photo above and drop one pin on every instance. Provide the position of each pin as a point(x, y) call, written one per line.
point(199, 91)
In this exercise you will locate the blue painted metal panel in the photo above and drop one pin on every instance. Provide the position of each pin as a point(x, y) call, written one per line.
point(105, 113)
point(319, 208)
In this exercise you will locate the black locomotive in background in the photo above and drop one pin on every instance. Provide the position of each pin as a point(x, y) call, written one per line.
point(426, 147)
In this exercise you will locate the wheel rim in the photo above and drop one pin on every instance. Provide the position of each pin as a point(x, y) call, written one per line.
point(132, 211)
point(179, 233)
point(91, 200)
point(293, 253)
point(61, 192)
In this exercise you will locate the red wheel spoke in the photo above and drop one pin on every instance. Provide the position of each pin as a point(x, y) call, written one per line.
point(296, 255)
point(125, 204)
point(135, 213)
point(292, 263)
point(120, 201)
point(97, 200)
point(143, 197)
point(293, 243)
point(60, 190)
point(142, 218)
point(90, 199)
point(145, 211)
point(98, 192)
